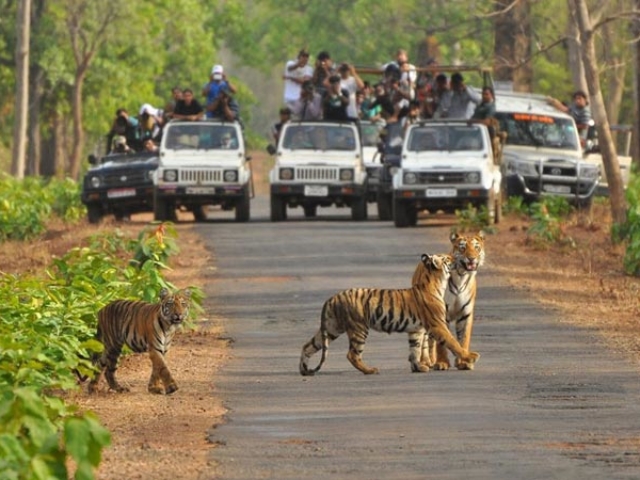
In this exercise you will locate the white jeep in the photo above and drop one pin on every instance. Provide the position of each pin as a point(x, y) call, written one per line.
point(446, 165)
point(202, 163)
point(318, 164)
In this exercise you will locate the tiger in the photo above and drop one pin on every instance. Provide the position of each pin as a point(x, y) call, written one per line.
point(143, 327)
point(414, 310)
point(460, 298)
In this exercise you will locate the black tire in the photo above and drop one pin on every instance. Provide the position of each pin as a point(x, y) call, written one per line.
point(359, 209)
point(385, 208)
point(199, 215)
point(163, 210)
point(94, 213)
point(278, 209)
point(243, 208)
point(402, 214)
point(310, 211)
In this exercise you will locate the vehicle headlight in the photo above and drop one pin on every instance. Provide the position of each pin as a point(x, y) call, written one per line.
point(230, 175)
point(473, 177)
point(170, 175)
point(346, 174)
point(591, 172)
point(410, 178)
point(95, 182)
point(522, 168)
point(286, 174)
point(393, 170)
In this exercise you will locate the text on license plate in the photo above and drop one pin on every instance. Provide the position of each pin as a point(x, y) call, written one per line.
point(316, 190)
point(441, 192)
point(121, 192)
point(557, 188)
point(200, 190)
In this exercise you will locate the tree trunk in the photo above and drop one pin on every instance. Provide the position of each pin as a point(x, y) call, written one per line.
point(574, 55)
point(78, 133)
point(609, 156)
point(36, 81)
point(512, 45)
point(23, 23)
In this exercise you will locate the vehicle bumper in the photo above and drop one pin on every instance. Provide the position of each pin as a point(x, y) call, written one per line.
point(537, 187)
point(424, 198)
point(300, 194)
point(131, 199)
point(200, 194)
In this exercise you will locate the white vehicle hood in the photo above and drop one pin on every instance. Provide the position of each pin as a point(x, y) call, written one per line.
point(526, 153)
point(202, 158)
point(444, 160)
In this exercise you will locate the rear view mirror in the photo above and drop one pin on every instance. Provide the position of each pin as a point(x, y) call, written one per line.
point(93, 160)
point(271, 149)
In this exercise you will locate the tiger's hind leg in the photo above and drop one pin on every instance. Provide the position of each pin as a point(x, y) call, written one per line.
point(109, 364)
point(357, 341)
point(160, 375)
point(417, 342)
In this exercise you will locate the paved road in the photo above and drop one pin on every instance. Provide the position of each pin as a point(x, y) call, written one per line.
point(546, 401)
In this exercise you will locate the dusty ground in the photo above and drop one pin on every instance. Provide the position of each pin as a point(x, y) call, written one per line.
point(165, 437)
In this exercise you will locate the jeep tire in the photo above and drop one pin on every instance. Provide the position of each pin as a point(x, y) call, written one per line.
point(243, 208)
point(94, 213)
point(359, 209)
point(278, 209)
point(385, 209)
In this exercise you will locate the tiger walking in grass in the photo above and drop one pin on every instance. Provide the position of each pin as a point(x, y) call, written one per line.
point(414, 310)
point(143, 327)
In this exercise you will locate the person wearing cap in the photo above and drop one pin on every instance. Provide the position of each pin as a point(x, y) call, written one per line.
point(151, 121)
point(322, 71)
point(217, 80)
point(296, 73)
point(224, 106)
point(309, 104)
point(120, 145)
point(188, 108)
point(459, 102)
point(351, 82)
point(335, 101)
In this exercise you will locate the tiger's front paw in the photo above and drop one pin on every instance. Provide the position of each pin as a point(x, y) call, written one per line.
point(466, 362)
point(441, 366)
point(156, 389)
point(419, 367)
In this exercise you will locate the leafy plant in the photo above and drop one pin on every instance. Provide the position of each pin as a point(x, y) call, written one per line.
point(474, 219)
point(630, 231)
point(548, 225)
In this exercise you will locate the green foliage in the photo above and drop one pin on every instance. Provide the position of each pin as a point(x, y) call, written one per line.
point(549, 217)
point(630, 231)
point(474, 219)
point(517, 205)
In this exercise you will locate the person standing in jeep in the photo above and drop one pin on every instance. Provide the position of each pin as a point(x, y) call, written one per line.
point(335, 101)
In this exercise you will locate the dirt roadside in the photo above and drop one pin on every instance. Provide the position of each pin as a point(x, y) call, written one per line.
point(165, 437)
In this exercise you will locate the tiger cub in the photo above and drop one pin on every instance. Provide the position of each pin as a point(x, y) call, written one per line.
point(143, 327)
point(460, 297)
point(412, 310)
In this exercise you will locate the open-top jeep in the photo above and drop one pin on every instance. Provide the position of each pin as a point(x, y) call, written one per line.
point(202, 163)
point(446, 165)
point(318, 164)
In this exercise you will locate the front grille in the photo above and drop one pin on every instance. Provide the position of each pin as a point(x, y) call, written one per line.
point(435, 178)
point(130, 177)
point(559, 169)
point(317, 174)
point(201, 177)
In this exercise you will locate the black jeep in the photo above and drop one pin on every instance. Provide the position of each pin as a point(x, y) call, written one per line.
point(119, 184)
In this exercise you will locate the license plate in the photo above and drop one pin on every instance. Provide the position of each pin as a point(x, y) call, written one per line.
point(121, 192)
point(441, 192)
point(316, 191)
point(200, 190)
point(557, 188)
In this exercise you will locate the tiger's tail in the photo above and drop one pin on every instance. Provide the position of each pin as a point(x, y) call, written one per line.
point(304, 369)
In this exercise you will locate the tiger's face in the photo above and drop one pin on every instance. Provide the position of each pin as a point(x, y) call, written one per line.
point(436, 266)
point(175, 307)
point(468, 251)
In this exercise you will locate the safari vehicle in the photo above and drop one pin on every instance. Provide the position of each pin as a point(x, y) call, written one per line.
point(445, 166)
point(370, 132)
point(318, 164)
point(543, 155)
point(202, 163)
point(119, 184)
point(622, 133)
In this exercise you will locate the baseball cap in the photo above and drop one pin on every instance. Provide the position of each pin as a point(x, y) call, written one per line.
point(217, 71)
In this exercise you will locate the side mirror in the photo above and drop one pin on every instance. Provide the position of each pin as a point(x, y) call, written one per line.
point(271, 149)
point(93, 160)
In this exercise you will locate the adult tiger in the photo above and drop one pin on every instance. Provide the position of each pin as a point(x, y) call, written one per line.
point(143, 327)
point(460, 297)
point(414, 310)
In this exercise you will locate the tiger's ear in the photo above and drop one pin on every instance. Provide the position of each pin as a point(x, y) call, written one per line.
point(163, 293)
point(453, 238)
point(481, 234)
point(187, 293)
point(429, 261)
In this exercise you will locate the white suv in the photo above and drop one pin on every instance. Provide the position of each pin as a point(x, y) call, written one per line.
point(318, 164)
point(446, 165)
point(542, 155)
point(202, 163)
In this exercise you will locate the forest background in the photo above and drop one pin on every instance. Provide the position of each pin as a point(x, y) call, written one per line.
point(87, 58)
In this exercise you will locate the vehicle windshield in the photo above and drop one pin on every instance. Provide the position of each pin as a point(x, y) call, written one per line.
point(203, 136)
point(539, 130)
point(319, 137)
point(370, 134)
point(445, 137)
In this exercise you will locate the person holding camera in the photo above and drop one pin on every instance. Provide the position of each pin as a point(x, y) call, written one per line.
point(217, 81)
point(224, 107)
point(309, 104)
point(335, 103)
point(322, 71)
point(295, 74)
point(123, 125)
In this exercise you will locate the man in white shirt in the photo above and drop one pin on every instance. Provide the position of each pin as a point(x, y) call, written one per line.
point(351, 82)
point(296, 73)
point(407, 74)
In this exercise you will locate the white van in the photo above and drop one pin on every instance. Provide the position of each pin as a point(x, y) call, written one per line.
point(202, 163)
point(543, 155)
point(318, 164)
